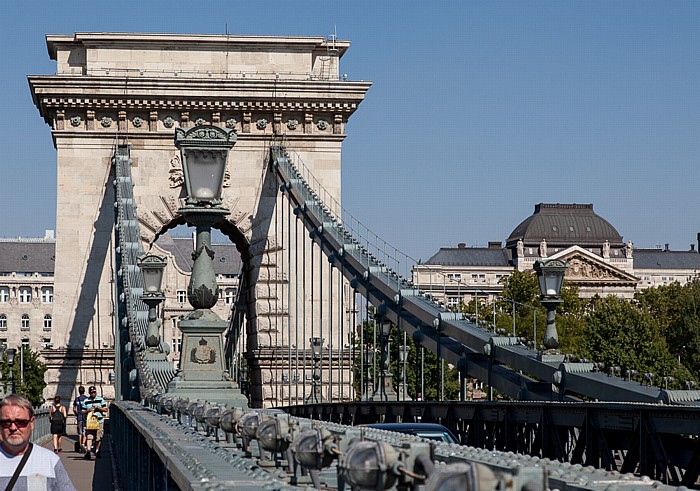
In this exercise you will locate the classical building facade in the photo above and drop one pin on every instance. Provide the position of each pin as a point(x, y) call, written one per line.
point(600, 261)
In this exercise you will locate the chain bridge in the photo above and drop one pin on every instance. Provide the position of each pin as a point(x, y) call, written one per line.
point(311, 274)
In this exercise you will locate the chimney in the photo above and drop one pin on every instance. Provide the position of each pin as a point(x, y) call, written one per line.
point(666, 247)
point(692, 247)
point(698, 242)
point(494, 244)
point(461, 245)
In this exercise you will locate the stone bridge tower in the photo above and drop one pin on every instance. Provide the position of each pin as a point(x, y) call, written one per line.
point(137, 89)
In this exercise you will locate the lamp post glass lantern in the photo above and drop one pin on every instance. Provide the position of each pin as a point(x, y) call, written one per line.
point(550, 274)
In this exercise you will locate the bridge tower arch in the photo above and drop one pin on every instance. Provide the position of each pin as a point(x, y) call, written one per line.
point(136, 88)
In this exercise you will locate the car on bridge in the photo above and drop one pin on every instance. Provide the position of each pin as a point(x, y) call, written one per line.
point(431, 431)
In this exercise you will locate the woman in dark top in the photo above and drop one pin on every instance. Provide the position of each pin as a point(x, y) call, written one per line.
point(57, 417)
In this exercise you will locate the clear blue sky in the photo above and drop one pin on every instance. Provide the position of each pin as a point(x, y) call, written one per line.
point(479, 110)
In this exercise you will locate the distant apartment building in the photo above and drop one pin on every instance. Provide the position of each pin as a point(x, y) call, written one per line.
point(27, 296)
point(600, 261)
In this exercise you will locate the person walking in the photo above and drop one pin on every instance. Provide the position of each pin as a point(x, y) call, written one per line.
point(80, 419)
point(94, 407)
point(22, 464)
point(57, 417)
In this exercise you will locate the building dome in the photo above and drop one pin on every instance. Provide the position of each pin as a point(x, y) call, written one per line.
point(565, 224)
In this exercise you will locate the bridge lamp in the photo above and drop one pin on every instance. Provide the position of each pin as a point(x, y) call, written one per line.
point(2, 357)
point(152, 268)
point(11, 363)
point(368, 465)
point(550, 274)
point(204, 152)
point(317, 354)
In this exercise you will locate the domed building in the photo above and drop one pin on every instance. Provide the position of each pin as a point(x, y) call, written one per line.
point(600, 261)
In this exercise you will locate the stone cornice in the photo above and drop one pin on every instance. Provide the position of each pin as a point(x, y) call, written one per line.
point(51, 92)
point(208, 41)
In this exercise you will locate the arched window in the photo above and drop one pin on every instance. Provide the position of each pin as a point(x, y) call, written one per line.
point(25, 322)
point(48, 322)
point(4, 294)
point(25, 294)
point(3, 322)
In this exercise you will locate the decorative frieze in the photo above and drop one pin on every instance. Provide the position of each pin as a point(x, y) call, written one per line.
point(280, 122)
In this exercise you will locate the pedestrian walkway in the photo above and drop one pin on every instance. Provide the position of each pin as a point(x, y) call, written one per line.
point(87, 475)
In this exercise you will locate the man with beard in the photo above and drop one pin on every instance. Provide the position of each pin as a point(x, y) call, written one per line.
point(42, 469)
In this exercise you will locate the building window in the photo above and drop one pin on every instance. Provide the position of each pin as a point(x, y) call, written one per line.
point(4, 294)
point(454, 276)
point(452, 301)
point(3, 342)
point(48, 322)
point(177, 345)
point(229, 296)
point(25, 322)
point(47, 295)
point(25, 343)
point(25, 295)
point(3, 322)
point(181, 296)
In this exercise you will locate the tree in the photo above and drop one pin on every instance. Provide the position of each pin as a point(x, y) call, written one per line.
point(621, 334)
point(33, 384)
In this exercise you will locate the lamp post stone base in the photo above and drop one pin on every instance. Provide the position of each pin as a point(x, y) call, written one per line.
point(202, 374)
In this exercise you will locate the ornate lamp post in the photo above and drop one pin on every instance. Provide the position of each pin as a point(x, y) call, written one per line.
point(386, 385)
point(204, 152)
point(317, 354)
point(550, 273)
point(403, 355)
point(2, 357)
point(152, 268)
point(11, 364)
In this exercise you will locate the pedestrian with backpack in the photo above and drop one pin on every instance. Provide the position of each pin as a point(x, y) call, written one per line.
point(81, 445)
point(94, 409)
point(57, 417)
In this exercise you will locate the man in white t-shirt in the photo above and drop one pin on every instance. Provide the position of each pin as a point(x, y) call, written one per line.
point(43, 469)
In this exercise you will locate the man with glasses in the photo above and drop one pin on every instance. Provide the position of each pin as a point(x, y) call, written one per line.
point(98, 407)
point(42, 470)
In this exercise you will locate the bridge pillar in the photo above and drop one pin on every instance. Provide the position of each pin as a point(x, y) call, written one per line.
point(137, 89)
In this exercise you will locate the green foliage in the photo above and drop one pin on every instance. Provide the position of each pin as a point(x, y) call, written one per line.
point(33, 384)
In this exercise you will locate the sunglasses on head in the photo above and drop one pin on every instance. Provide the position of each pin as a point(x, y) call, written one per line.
point(19, 423)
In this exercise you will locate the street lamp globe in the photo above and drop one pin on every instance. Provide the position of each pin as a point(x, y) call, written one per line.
point(204, 152)
point(550, 274)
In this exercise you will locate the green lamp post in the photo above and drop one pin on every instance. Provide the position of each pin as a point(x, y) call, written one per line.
point(550, 274)
point(152, 268)
point(204, 152)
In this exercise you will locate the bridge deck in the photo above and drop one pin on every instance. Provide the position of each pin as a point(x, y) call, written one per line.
point(87, 475)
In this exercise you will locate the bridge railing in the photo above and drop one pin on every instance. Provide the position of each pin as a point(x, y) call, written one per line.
point(181, 444)
point(505, 363)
